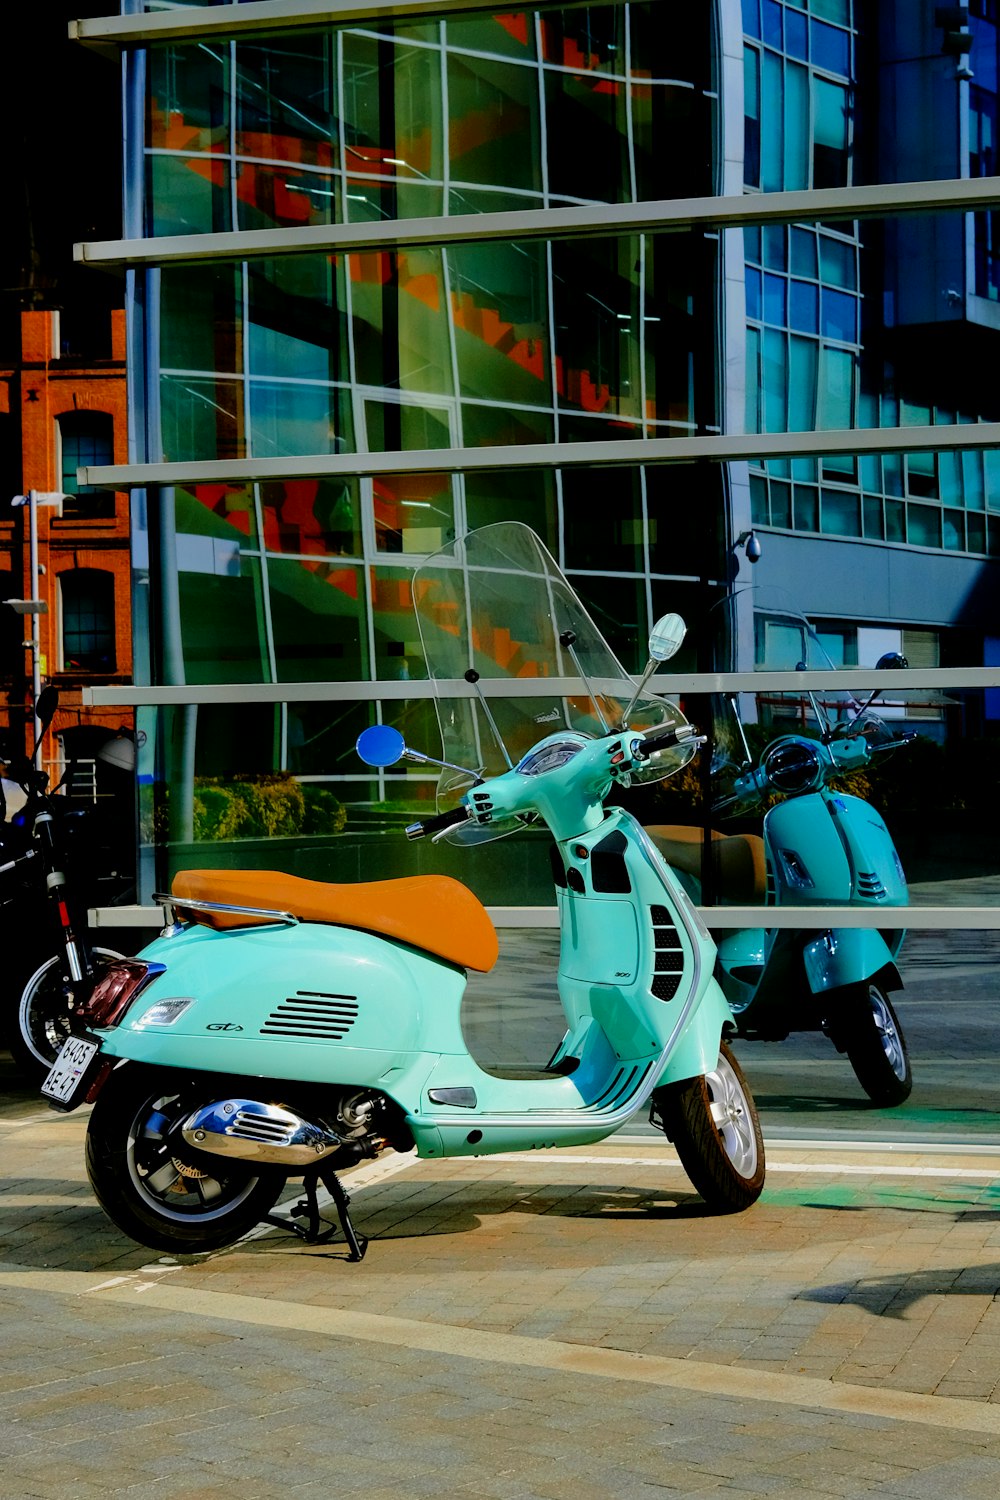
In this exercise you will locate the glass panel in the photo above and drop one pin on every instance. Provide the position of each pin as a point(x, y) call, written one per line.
point(284, 198)
point(596, 310)
point(312, 516)
point(508, 35)
point(186, 98)
point(874, 520)
point(796, 35)
point(838, 260)
point(285, 99)
point(392, 127)
point(617, 545)
point(841, 513)
point(390, 425)
point(296, 328)
point(830, 115)
point(587, 139)
point(831, 49)
point(413, 512)
point(775, 382)
point(399, 653)
point(802, 384)
point(400, 321)
point(804, 312)
point(494, 127)
point(781, 504)
point(753, 295)
point(499, 313)
point(199, 323)
point(797, 144)
point(187, 195)
point(772, 120)
point(840, 316)
point(222, 629)
point(803, 251)
point(617, 607)
point(775, 307)
point(201, 419)
point(775, 247)
point(836, 405)
point(317, 621)
point(292, 417)
point(923, 525)
point(529, 497)
point(805, 508)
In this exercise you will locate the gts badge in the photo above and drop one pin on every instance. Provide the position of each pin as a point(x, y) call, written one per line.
point(223, 1026)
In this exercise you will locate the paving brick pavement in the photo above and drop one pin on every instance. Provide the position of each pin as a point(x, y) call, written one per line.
point(567, 1324)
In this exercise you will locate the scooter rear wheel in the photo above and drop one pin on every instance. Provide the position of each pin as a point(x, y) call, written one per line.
point(713, 1123)
point(876, 1047)
point(150, 1185)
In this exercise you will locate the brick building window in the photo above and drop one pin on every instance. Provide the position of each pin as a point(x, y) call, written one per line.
point(85, 437)
point(87, 599)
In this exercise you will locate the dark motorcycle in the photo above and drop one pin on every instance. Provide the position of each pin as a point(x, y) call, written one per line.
point(51, 963)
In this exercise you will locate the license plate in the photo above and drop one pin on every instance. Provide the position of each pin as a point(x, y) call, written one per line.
point(67, 1072)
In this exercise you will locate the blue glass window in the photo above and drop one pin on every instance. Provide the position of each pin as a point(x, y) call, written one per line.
point(751, 242)
point(837, 259)
point(840, 316)
point(804, 307)
point(796, 39)
point(831, 49)
point(775, 300)
point(804, 369)
point(751, 18)
point(772, 24)
point(803, 253)
point(775, 254)
point(753, 295)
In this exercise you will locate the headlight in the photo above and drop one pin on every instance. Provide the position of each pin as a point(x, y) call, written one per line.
point(793, 766)
point(549, 757)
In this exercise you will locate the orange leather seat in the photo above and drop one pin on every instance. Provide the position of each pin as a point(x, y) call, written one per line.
point(431, 912)
point(740, 865)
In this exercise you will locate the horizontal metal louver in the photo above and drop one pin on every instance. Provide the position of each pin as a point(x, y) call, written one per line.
point(310, 1013)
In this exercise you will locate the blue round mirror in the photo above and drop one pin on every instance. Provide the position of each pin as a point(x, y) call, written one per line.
point(380, 745)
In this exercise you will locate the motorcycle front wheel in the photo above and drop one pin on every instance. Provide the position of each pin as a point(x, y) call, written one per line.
point(713, 1124)
point(43, 1019)
point(876, 1047)
point(150, 1185)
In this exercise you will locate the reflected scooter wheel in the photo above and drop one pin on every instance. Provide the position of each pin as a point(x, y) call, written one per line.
point(874, 1042)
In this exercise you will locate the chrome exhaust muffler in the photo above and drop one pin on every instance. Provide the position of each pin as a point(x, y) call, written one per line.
point(253, 1131)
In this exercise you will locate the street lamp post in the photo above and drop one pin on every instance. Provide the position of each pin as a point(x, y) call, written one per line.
point(33, 499)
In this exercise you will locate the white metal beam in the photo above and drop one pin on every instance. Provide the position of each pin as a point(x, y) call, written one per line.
point(879, 201)
point(723, 448)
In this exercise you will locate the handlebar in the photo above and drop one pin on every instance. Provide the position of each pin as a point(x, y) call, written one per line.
point(667, 739)
point(438, 823)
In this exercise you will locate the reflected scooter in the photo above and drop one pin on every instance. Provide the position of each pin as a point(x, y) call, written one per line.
point(284, 1026)
point(820, 847)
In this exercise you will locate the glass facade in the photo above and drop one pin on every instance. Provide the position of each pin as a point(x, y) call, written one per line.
point(291, 584)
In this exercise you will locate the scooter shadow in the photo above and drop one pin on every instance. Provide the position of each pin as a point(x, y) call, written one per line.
point(55, 1224)
point(894, 1296)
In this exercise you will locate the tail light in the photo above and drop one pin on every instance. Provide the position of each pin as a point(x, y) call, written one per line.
point(115, 990)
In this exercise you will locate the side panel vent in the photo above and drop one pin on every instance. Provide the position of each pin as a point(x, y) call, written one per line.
point(668, 962)
point(312, 1014)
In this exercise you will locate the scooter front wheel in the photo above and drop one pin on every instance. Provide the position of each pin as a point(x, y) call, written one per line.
point(876, 1047)
point(150, 1185)
point(713, 1123)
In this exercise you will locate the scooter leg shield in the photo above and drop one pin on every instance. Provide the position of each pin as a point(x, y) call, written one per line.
point(848, 955)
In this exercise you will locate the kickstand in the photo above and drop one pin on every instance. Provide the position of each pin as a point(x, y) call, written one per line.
point(308, 1208)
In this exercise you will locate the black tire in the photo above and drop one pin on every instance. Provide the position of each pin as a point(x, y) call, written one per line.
point(153, 1191)
point(712, 1121)
point(41, 1022)
point(875, 1044)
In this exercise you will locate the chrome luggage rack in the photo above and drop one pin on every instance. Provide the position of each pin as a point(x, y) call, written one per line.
point(172, 903)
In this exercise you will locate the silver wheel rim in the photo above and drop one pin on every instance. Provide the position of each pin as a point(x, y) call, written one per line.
point(54, 1029)
point(885, 1026)
point(161, 1183)
point(732, 1116)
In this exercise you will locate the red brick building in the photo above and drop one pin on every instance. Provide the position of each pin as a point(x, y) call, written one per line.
point(63, 411)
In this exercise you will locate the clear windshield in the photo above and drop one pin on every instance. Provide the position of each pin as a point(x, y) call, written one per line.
point(495, 602)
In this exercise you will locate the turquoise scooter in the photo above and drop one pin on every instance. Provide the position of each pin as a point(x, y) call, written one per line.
point(819, 847)
point(282, 1026)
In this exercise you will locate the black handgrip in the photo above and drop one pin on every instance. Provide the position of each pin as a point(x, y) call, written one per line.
point(438, 823)
point(666, 739)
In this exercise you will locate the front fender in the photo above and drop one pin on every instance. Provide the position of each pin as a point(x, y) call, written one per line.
point(848, 955)
point(697, 1049)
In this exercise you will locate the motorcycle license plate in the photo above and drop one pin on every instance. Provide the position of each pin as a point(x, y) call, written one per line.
point(68, 1073)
